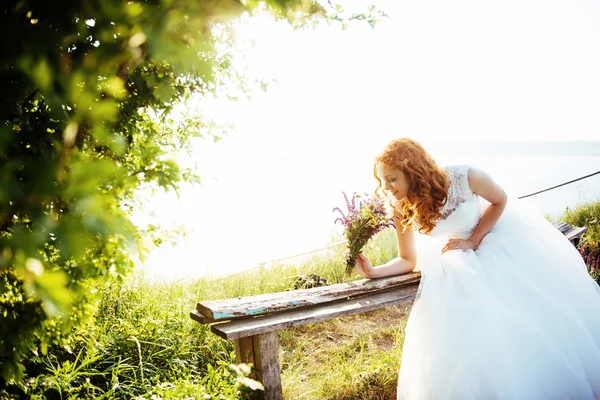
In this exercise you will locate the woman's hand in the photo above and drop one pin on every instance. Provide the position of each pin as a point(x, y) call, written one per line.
point(459, 244)
point(364, 267)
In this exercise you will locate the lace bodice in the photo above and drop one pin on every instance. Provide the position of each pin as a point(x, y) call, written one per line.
point(459, 190)
point(461, 213)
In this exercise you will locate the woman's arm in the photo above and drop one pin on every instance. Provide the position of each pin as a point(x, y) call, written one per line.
point(484, 186)
point(405, 262)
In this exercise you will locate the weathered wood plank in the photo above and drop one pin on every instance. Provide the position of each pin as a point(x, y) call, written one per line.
point(262, 351)
point(268, 365)
point(287, 319)
point(569, 231)
point(575, 233)
point(196, 316)
point(251, 306)
point(562, 226)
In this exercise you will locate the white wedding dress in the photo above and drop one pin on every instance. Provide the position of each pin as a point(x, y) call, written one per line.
point(518, 318)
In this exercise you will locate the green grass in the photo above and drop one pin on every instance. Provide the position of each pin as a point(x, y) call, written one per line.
point(142, 343)
point(354, 357)
point(587, 215)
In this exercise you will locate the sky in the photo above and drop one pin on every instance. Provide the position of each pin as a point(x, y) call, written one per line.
point(457, 76)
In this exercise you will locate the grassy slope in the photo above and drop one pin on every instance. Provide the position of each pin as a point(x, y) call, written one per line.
point(142, 342)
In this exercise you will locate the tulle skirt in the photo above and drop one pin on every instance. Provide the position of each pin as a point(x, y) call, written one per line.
point(518, 318)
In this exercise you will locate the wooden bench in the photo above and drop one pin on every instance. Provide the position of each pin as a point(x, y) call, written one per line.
point(573, 234)
point(252, 322)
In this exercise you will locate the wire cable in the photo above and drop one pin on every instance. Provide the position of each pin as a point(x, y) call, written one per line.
point(258, 265)
point(557, 186)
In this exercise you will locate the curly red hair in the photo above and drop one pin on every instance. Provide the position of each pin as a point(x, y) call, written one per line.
point(427, 182)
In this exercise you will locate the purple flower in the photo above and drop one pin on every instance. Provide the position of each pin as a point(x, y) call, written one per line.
point(591, 257)
point(366, 216)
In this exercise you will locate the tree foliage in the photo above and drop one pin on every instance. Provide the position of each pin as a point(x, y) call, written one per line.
point(87, 90)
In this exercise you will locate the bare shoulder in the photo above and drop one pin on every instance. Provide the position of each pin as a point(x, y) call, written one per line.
point(477, 176)
point(482, 184)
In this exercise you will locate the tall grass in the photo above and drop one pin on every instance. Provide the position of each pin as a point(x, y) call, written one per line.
point(142, 343)
point(587, 215)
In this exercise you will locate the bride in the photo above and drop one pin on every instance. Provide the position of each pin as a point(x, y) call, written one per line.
point(505, 308)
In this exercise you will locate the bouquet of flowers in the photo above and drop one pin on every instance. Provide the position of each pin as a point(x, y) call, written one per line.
point(364, 219)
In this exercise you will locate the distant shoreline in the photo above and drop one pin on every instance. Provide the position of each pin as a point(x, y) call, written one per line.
point(587, 148)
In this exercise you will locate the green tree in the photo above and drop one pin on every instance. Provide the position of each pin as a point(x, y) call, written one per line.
point(87, 89)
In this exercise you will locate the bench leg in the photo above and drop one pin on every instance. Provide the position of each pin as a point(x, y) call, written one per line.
point(263, 352)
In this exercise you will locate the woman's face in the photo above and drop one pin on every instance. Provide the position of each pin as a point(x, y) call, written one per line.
point(393, 181)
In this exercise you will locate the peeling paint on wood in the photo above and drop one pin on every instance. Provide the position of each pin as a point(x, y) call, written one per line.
point(252, 306)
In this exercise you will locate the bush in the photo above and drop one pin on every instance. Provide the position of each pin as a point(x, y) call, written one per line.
point(140, 344)
point(88, 118)
point(587, 215)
